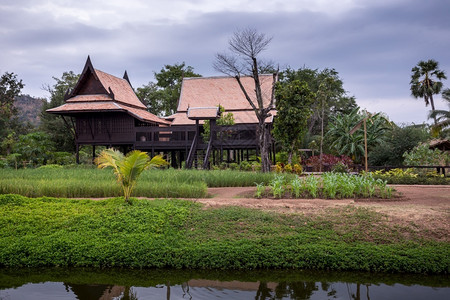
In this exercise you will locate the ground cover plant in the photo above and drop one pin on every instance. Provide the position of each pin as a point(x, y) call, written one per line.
point(182, 234)
point(92, 182)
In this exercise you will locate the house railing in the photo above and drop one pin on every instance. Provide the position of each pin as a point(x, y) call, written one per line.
point(234, 136)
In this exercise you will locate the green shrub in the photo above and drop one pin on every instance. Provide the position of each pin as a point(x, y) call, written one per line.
point(245, 166)
point(298, 169)
point(340, 167)
point(233, 166)
point(256, 166)
point(288, 168)
point(409, 176)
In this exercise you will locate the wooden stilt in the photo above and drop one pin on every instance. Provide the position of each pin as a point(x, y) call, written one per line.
point(77, 155)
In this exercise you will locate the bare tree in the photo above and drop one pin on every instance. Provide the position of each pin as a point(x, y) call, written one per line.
point(245, 47)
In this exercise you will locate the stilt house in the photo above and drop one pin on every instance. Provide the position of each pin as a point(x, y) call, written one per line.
point(104, 110)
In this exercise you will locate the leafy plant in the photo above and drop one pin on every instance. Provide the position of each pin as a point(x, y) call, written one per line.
point(296, 187)
point(245, 166)
point(312, 185)
point(127, 168)
point(260, 189)
point(277, 186)
point(328, 159)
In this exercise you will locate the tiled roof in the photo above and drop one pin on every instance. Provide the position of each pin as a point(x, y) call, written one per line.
point(90, 98)
point(78, 107)
point(120, 97)
point(121, 89)
point(85, 106)
point(225, 91)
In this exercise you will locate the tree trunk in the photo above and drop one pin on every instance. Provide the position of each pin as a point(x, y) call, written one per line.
point(264, 146)
point(291, 153)
point(433, 109)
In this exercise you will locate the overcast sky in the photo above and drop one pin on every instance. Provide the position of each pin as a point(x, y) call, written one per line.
point(372, 44)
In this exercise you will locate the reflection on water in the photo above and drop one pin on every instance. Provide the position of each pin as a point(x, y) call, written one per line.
point(168, 284)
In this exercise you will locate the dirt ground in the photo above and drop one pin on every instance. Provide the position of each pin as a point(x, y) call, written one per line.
point(426, 208)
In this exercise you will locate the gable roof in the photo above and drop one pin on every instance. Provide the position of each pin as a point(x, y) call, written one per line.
point(224, 91)
point(100, 91)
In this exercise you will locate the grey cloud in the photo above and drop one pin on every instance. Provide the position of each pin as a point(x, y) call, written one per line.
point(373, 47)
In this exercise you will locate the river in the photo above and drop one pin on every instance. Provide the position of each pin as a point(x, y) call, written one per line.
point(119, 284)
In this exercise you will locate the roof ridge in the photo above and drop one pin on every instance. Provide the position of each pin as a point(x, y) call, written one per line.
point(223, 76)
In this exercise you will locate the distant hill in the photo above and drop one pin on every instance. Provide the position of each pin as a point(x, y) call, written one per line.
point(29, 109)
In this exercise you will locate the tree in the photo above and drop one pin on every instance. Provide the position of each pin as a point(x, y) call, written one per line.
point(331, 97)
point(10, 88)
point(345, 143)
point(162, 97)
point(442, 117)
point(245, 47)
point(52, 124)
point(294, 101)
point(225, 119)
point(396, 142)
point(127, 168)
point(36, 148)
point(426, 81)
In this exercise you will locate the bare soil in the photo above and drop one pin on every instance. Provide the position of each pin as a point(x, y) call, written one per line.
point(425, 209)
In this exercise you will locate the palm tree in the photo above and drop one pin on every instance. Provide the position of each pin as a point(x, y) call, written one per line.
point(352, 144)
point(341, 139)
point(127, 168)
point(442, 116)
point(426, 81)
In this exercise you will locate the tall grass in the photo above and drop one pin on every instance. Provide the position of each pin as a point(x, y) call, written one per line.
point(91, 182)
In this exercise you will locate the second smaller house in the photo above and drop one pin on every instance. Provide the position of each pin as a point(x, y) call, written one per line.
point(199, 101)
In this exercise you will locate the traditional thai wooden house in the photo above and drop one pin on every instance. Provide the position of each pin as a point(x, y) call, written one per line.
point(199, 100)
point(104, 110)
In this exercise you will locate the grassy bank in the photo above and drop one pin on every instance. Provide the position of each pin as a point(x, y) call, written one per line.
point(180, 234)
point(93, 182)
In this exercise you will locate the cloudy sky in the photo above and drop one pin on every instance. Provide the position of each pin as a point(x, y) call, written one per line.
point(372, 44)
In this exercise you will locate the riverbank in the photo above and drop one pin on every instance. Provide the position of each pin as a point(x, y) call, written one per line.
point(47, 232)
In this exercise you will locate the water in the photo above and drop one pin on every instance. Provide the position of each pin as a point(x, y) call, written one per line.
point(84, 284)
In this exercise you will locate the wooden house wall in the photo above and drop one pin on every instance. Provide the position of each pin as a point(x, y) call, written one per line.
point(121, 128)
point(91, 86)
point(105, 128)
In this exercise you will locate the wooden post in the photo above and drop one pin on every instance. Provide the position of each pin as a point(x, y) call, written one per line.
point(173, 159)
point(365, 145)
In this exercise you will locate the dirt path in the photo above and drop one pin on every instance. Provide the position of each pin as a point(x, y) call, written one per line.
point(426, 208)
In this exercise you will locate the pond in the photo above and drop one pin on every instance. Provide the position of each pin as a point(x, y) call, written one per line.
point(119, 284)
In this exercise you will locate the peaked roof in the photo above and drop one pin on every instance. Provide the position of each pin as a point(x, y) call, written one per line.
point(224, 91)
point(100, 91)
